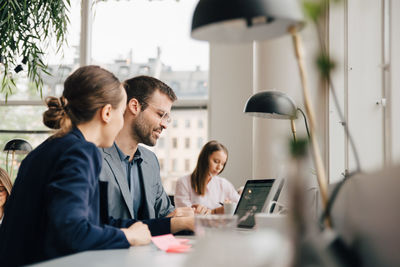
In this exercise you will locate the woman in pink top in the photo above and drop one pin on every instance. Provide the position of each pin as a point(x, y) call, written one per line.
point(204, 190)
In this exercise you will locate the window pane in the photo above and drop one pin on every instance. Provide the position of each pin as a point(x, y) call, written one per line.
point(151, 38)
point(187, 143)
point(33, 139)
point(200, 142)
point(21, 118)
point(179, 159)
point(187, 165)
point(174, 142)
point(187, 123)
point(143, 37)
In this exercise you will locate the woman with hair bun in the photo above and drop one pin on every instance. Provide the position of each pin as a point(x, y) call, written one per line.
point(54, 209)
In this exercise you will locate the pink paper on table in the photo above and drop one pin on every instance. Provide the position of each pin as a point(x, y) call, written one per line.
point(182, 240)
point(169, 243)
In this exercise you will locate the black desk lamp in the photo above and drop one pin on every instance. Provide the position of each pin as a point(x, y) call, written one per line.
point(274, 105)
point(244, 20)
point(16, 146)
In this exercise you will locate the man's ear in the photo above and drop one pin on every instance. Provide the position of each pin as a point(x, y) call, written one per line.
point(105, 113)
point(134, 106)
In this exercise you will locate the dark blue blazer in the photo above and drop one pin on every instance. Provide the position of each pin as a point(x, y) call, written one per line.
point(54, 207)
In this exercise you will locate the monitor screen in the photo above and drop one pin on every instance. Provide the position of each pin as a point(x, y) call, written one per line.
point(252, 201)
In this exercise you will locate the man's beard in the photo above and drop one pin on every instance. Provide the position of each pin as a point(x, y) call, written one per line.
point(142, 132)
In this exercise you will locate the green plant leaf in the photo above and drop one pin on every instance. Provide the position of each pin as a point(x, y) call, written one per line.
point(313, 9)
point(325, 65)
point(26, 28)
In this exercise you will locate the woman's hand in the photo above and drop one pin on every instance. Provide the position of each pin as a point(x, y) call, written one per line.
point(138, 234)
point(200, 209)
point(219, 210)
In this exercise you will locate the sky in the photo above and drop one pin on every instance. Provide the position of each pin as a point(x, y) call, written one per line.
point(141, 26)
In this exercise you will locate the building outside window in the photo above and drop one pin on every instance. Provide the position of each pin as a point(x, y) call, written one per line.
point(161, 142)
point(187, 142)
point(181, 64)
point(174, 165)
point(200, 124)
point(187, 165)
point(161, 162)
point(187, 123)
point(174, 142)
point(200, 142)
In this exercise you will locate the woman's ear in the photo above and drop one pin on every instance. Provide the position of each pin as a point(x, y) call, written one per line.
point(134, 106)
point(105, 113)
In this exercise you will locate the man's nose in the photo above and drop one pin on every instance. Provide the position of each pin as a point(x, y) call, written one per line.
point(164, 125)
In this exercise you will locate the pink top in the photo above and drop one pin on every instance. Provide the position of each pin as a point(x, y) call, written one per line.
point(218, 190)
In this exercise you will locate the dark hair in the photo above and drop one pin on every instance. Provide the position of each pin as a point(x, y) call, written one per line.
point(86, 90)
point(199, 176)
point(5, 180)
point(143, 87)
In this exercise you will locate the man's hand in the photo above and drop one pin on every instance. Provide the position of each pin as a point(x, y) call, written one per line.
point(182, 223)
point(182, 212)
point(200, 209)
point(138, 234)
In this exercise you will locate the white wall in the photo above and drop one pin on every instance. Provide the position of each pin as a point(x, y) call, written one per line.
point(395, 78)
point(231, 83)
point(357, 30)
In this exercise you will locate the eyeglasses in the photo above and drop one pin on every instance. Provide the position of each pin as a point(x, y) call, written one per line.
point(2, 189)
point(164, 115)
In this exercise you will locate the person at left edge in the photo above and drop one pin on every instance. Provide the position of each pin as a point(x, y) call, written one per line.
point(5, 190)
point(54, 207)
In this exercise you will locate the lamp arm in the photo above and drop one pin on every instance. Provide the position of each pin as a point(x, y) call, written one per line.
point(305, 122)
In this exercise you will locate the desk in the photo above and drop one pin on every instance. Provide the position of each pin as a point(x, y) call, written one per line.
point(141, 256)
point(226, 248)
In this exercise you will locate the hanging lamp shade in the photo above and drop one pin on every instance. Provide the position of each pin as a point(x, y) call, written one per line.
point(233, 21)
point(272, 105)
point(18, 146)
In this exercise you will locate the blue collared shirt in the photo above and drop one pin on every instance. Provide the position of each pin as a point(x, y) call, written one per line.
point(133, 175)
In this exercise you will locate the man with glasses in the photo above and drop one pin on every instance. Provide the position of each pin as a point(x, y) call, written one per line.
point(132, 171)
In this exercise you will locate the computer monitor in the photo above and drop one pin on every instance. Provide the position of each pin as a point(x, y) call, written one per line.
point(253, 200)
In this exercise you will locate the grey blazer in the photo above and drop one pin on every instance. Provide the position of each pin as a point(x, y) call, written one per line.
point(120, 202)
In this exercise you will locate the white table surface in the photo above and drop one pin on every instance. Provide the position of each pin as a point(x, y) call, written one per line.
point(218, 248)
point(141, 256)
